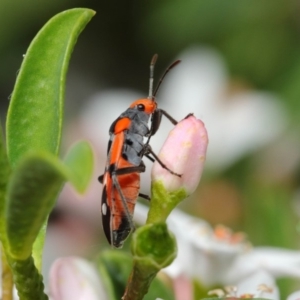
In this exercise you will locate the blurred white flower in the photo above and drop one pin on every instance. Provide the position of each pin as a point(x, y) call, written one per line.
point(251, 287)
point(100, 111)
point(203, 253)
point(259, 284)
point(294, 296)
point(222, 257)
point(237, 123)
point(75, 278)
point(277, 261)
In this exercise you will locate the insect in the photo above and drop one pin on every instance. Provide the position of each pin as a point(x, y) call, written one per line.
point(126, 148)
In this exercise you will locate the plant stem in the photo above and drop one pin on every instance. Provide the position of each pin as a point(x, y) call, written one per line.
point(7, 279)
point(138, 283)
point(153, 248)
point(163, 202)
point(28, 280)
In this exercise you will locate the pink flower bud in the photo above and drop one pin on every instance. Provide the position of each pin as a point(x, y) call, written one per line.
point(184, 153)
point(76, 279)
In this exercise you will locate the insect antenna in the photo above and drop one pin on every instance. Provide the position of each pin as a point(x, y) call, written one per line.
point(175, 63)
point(151, 78)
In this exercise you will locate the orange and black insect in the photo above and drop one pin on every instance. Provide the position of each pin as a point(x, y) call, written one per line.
point(126, 148)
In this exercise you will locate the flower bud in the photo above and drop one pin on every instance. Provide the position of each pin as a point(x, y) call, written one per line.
point(75, 278)
point(153, 246)
point(184, 153)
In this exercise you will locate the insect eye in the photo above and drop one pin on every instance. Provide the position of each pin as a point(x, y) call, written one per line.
point(141, 107)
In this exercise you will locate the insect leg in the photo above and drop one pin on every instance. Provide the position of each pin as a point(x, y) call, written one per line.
point(150, 151)
point(141, 168)
point(150, 158)
point(100, 178)
point(144, 196)
point(188, 115)
point(172, 120)
point(156, 120)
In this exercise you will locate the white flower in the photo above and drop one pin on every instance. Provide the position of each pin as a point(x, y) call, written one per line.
point(225, 258)
point(294, 296)
point(237, 123)
point(250, 288)
point(75, 278)
point(259, 284)
point(277, 261)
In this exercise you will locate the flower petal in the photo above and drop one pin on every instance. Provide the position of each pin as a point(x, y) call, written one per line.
point(76, 279)
point(261, 284)
point(294, 296)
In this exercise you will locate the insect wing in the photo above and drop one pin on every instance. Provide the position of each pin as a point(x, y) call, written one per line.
point(106, 206)
point(116, 215)
point(116, 218)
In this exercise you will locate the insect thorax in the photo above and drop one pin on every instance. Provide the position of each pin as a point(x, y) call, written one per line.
point(139, 121)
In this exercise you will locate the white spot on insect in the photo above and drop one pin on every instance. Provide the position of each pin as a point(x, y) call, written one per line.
point(104, 209)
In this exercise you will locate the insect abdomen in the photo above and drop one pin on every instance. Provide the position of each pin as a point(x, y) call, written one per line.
point(121, 225)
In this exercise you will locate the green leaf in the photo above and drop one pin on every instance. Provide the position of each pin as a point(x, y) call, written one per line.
point(4, 176)
point(35, 114)
point(38, 246)
point(31, 195)
point(114, 268)
point(80, 162)
point(32, 191)
point(7, 284)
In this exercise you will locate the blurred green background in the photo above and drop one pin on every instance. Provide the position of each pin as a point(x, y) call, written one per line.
point(259, 39)
point(260, 44)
